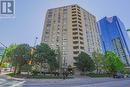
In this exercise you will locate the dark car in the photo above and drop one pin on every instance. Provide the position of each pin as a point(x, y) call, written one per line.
point(118, 75)
point(128, 75)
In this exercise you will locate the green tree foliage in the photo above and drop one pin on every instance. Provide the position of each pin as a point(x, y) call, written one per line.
point(84, 62)
point(99, 61)
point(52, 61)
point(59, 58)
point(113, 63)
point(8, 52)
point(20, 56)
point(44, 55)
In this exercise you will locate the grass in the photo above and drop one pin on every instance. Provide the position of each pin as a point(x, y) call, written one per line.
point(11, 74)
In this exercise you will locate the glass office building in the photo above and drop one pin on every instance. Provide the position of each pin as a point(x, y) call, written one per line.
point(114, 38)
point(1, 52)
point(128, 31)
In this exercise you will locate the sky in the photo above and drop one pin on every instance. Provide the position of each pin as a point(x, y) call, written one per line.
point(30, 14)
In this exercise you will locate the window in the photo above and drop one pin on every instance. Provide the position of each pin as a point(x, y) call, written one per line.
point(74, 29)
point(80, 34)
point(75, 58)
point(80, 26)
point(73, 11)
point(64, 29)
point(73, 8)
point(64, 48)
point(48, 25)
point(49, 16)
point(49, 21)
point(79, 15)
point(64, 43)
point(74, 33)
point(50, 11)
point(80, 29)
point(74, 18)
point(81, 42)
point(73, 14)
point(75, 52)
point(47, 32)
point(74, 21)
point(79, 22)
point(81, 38)
point(78, 9)
point(79, 18)
point(75, 47)
point(81, 47)
point(65, 9)
point(75, 37)
point(75, 42)
point(74, 25)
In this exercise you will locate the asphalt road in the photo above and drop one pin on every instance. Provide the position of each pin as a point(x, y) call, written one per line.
point(10, 83)
point(88, 82)
point(77, 82)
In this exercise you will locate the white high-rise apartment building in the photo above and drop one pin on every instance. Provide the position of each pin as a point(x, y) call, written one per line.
point(72, 30)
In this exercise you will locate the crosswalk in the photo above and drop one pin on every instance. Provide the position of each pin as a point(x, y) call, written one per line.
point(10, 83)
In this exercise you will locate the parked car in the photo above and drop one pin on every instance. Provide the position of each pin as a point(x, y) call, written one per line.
point(128, 75)
point(118, 75)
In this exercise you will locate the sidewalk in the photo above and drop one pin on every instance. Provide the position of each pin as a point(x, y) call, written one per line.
point(3, 75)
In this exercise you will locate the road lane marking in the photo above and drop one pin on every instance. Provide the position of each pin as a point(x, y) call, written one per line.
point(18, 84)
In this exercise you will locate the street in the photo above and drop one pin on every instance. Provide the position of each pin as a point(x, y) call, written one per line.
point(76, 82)
point(79, 82)
point(10, 83)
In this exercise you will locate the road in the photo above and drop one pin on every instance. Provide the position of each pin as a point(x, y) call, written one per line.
point(77, 82)
point(10, 83)
point(88, 82)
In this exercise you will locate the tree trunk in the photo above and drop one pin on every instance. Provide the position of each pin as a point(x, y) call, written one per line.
point(15, 69)
point(19, 70)
point(41, 69)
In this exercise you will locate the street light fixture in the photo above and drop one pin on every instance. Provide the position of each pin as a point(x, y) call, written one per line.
point(35, 42)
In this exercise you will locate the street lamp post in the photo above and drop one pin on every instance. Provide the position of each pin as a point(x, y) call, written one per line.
point(31, 54)
point(35, 42)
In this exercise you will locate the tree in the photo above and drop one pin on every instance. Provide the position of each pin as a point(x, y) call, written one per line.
point(113, 63)
point(59, 59)
point(84, 62)
point(52, 61)
point(98, 59)
point(44, 55)
point(20, 56)
point(8, 52)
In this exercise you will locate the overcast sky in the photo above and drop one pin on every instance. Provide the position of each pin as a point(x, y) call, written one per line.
point(30, 15)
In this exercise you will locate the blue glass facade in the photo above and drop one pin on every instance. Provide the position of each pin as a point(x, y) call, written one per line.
point(114, 38)
point(1, 52)
point(128, 31)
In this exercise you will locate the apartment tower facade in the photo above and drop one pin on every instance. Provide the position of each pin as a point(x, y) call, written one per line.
point(72, 30)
